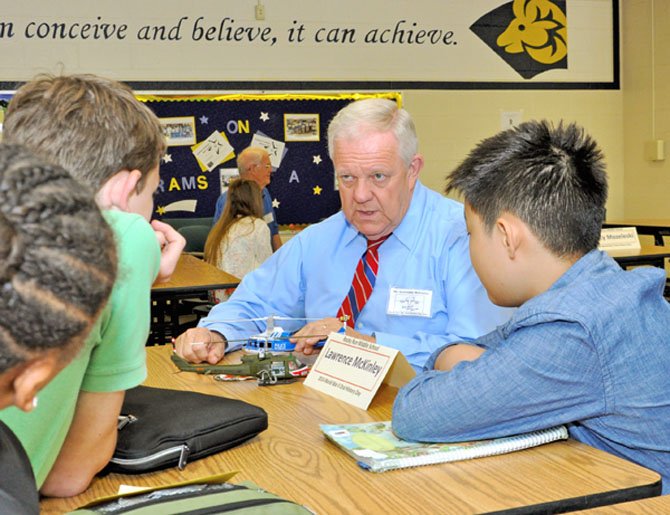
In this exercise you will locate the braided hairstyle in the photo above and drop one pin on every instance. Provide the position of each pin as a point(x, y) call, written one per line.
point(57, 258)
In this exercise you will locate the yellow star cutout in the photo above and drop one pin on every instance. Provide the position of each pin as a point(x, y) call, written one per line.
point(160, 210)
point(317, 190)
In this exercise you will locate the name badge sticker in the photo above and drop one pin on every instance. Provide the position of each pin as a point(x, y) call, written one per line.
point(406, 302)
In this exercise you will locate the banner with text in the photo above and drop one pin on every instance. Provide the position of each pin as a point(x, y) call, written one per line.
point(474, 43)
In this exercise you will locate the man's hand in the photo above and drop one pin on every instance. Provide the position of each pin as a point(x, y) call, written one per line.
point(199, 344)
point(454, 354)
point(171, 243)
point(313, 333)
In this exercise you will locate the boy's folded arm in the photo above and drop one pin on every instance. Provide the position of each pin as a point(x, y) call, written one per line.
point(531, 382)
point(89, 444)
point(454, 354)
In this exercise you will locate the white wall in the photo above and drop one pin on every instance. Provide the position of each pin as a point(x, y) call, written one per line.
point(450, 123)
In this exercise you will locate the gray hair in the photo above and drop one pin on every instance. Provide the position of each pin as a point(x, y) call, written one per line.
point(375, 115)
point(249, 156)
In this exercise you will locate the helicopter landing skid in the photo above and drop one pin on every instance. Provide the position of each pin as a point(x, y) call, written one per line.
point(269, 378)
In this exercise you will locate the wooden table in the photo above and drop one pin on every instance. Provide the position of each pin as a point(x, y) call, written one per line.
point(650, 506)
point(293, 459)
point(192, 277)
point(657, 227)
point(651, 255)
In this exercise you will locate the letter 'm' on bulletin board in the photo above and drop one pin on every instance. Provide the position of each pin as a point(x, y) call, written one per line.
point(206, 133)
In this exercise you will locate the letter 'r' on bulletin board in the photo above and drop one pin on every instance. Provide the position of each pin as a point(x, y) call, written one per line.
point(205, 133)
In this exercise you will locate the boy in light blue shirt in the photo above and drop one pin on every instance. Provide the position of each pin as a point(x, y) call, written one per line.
point(588, 346)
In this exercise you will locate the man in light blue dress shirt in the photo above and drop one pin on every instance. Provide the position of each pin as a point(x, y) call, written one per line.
point(426, 292)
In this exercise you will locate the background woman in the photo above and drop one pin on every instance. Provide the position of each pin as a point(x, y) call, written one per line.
point(240, 240)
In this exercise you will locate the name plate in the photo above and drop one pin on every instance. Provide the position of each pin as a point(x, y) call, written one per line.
point(624, 238)
point(352, 370)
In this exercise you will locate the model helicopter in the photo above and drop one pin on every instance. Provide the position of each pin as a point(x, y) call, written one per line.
point(269, 369)
point(271, 359)
point(275, 338)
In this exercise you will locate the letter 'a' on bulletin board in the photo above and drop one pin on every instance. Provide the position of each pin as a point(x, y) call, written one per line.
point(205, 133)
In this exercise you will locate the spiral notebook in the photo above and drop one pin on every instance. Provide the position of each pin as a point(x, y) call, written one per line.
point(374, 446)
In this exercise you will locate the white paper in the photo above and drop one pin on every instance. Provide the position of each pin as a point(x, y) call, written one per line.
point(409, 302)
point(274, 148)
point(213, 151)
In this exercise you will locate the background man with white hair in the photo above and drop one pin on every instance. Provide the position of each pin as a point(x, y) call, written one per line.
point(254, 164)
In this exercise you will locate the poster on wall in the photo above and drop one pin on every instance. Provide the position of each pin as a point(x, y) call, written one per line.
point(343, 45)
point(302, 187)
point(178, 131)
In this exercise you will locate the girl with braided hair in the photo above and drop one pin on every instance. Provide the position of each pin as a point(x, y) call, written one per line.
point(57, 268)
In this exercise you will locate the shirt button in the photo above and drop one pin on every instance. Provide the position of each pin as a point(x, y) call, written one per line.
point(360, 325)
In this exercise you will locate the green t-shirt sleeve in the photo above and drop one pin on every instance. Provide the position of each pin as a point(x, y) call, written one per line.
point(118, 361)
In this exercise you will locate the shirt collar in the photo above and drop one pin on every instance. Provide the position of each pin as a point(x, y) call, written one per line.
point(407, 231)
point(584, 263)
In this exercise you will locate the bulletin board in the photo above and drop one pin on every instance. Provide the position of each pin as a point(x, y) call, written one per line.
point(206, 132)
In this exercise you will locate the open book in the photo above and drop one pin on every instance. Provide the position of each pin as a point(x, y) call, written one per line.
point(376, 448)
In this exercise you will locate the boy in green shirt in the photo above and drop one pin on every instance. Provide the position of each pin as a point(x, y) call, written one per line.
point(97, 130)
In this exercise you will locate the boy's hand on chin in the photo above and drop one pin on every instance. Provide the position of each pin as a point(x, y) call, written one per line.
point(171, 243)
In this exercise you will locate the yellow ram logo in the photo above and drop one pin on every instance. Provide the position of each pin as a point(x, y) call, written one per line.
point(539, 29)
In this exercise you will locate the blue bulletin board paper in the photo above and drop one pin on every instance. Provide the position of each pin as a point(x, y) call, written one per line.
point(293, 128)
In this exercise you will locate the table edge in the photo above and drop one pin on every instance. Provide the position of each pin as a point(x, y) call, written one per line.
point(634, 493)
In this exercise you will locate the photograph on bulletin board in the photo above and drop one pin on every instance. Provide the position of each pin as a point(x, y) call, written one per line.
point(178, 131)
point(292, 128)
point(301, 127)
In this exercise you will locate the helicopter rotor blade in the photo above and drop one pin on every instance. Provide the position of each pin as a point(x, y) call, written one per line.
point(266, 319)
point(298, 337)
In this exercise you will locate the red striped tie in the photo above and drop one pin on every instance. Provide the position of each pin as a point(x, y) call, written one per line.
point(363, 282)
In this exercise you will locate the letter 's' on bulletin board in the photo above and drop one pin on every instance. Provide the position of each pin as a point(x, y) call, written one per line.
point(205, 134)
